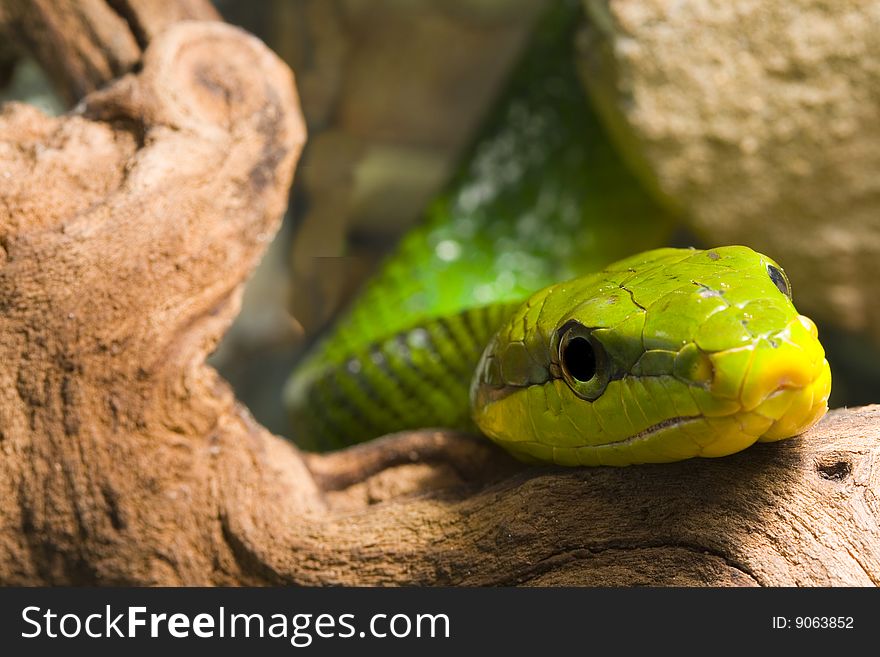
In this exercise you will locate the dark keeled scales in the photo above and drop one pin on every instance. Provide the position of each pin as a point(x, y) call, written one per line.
point(415, 378)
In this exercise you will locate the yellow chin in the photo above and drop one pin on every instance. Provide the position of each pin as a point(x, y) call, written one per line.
point(794, 410)
point(700, 436)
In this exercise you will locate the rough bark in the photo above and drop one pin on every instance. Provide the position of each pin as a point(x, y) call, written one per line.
point(83, 44)
point(127, 229)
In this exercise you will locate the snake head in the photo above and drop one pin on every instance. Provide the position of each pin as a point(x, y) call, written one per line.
point(664, 356)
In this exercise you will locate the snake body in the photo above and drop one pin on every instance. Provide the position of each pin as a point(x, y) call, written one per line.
point(688, 352)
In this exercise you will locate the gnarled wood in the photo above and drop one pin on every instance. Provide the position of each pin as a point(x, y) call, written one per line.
point(83, 44)
point(126, 232)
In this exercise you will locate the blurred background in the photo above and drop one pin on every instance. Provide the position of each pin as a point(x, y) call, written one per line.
point(745, 122)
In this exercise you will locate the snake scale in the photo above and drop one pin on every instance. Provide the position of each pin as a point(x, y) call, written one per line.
point(657, 357)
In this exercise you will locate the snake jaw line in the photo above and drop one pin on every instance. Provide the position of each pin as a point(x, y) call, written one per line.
point(653, 429)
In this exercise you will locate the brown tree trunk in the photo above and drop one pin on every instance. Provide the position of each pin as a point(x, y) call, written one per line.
point(127, 228)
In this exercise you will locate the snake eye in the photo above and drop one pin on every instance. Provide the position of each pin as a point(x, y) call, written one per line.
point(583, 361)
point(579, 359)
point(779, 280)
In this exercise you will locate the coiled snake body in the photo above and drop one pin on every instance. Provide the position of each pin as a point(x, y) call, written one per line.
point(661, 356)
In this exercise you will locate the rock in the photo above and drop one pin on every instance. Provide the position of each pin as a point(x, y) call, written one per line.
point(759, 122)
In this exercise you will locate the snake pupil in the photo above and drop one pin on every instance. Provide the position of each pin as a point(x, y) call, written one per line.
point(779, 280)
point(579, 359)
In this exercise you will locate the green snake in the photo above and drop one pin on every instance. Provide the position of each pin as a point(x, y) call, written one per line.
point(660, 356)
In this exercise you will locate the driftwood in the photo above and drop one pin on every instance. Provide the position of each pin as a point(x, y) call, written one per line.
point(127, 229)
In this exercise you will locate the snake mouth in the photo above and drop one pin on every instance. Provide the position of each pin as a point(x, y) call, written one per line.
point(649, 432)
point(785, 387)
point(791, 410)
point(672, 439)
